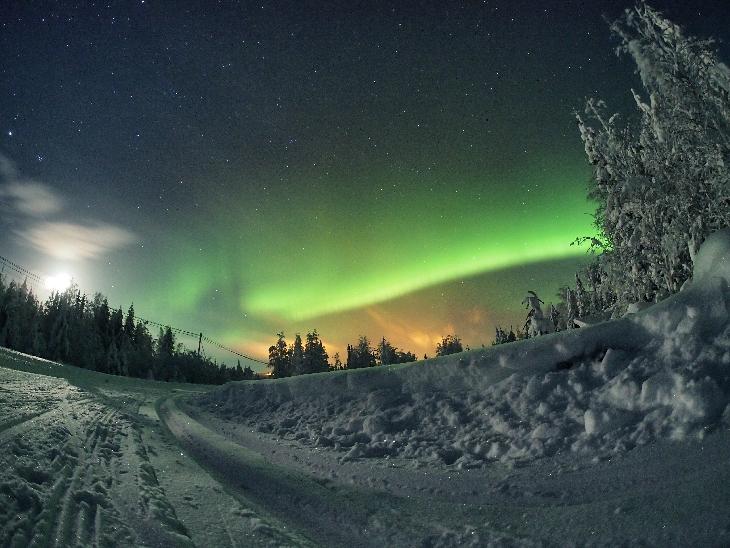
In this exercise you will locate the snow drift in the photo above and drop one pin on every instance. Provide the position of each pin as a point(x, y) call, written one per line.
point(661, 372)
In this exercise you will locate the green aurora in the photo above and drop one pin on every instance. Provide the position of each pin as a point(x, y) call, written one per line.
point(309, 265)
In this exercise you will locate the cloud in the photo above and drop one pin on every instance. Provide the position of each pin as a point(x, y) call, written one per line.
point(399, 330)
point(71, 241)
point(31, 198)
point(32, 203)
point(7, 168)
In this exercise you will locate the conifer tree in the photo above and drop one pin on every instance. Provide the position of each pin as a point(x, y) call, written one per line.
point(663, 187)
point(296, 356)
point(386, 353)
point(166, 343)
point(239, 371)
point(143, 355)
point(129, 325)
point(450, 344)
point(315, 356)
point(361, 355)
point(279, 361)
point(59, 338)
point(165, 346)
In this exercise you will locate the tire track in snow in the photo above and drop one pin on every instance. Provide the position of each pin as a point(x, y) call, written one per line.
point(73, 472)
point(212, 516)
point(325, 514)
point(158, 514)
point(19, 424)
point(76, 509)
point(51, 404)
point(81, 506)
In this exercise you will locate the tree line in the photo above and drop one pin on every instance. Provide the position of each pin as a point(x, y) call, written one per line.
point(73, 329)
point(286, 360)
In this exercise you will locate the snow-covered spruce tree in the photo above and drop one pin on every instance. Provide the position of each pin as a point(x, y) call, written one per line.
point(663, 186)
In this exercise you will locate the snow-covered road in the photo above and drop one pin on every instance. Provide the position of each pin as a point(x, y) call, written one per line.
point(85, 460)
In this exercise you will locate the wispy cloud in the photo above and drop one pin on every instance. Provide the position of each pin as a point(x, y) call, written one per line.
point(7, 168)
point(40, 220)
point(404, 331)
point(31, 198)
point(72, 241)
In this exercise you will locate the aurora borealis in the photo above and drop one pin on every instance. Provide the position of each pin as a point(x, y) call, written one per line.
point(388, 169)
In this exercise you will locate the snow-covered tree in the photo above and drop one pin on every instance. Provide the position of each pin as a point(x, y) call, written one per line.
point(554, 315)
point(500, 336)
point(662, 186)
point(536, 322)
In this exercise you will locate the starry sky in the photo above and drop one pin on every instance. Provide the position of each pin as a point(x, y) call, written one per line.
point(398, 169)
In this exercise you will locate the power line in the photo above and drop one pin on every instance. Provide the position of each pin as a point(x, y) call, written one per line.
point(201, 337)
point(16, 270)
point(33, 277)
point(20, 270)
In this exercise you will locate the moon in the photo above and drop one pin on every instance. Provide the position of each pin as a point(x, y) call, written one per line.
point(58, 282)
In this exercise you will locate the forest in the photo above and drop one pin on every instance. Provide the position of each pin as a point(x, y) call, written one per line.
point(72, 329)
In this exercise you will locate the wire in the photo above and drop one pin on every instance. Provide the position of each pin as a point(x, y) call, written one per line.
point(20, 270)
point(28, 277)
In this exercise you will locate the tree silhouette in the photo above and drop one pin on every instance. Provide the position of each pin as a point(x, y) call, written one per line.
point(450, 344)
point(361, 355)
point(279, 360)
point(315, 356)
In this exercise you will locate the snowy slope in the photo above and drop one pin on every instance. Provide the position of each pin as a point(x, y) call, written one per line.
point(616, 434)
point(85, 461)
point(661, 373)
point(633, 414)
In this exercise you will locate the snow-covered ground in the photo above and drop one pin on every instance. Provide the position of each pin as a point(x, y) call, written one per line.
point(615, 434)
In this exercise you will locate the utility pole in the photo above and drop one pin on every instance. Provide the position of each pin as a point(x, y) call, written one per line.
point(200, 343)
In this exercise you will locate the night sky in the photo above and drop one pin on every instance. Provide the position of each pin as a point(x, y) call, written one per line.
point(406, 169)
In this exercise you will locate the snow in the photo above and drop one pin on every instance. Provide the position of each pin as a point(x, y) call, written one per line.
point(714, 258)
point(658, 372)
point(613, 434)
point(83, 463)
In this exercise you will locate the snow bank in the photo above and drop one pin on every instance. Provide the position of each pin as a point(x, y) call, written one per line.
point(660, 372)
